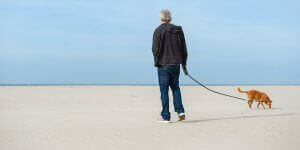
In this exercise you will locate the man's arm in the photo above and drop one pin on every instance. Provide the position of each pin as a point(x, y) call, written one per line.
point(184, 53)
point(156, 42)
point(184, 50)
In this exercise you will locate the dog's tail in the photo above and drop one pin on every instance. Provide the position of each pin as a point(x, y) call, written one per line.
point(242, 91)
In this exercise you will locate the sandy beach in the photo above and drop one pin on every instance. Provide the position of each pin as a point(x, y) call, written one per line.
point(124, 117)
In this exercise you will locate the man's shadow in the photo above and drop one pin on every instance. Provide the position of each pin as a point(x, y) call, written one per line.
point(237, 117)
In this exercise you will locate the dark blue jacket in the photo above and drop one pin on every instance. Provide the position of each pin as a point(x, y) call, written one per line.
point(168, 45)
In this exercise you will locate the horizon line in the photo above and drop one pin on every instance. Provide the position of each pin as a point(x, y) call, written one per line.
point(275, 84)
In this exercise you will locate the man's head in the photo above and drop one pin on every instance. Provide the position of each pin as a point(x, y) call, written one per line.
point(165, 16)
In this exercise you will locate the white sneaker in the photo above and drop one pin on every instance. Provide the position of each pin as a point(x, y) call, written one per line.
point(161, 120)
point(181, 117)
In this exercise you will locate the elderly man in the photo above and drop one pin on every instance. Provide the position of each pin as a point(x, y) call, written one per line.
point(169, 51)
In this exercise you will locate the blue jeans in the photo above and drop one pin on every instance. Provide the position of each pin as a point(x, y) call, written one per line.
point(168, 75)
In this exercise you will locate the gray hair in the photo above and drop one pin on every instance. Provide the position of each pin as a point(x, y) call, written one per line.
point(165, 15)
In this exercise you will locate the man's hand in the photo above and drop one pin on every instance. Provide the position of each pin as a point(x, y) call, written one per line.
point(185, 70)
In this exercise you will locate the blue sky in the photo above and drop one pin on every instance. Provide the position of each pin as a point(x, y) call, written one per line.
point(109, 42)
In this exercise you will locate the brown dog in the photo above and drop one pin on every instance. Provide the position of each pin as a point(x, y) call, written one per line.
point(258, 96)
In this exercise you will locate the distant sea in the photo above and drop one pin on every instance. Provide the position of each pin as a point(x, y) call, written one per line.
point(145, 84)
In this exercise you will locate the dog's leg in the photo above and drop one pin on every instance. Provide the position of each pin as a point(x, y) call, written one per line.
point(262, 101)
point(258, 104)
point(263, 105)
point(250, 103)
point(250, 100)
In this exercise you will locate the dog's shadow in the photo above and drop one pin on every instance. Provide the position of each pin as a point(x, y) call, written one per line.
point(267, 108)
point(237, 117)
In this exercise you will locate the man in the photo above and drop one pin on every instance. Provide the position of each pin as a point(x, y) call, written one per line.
point(169, 51)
